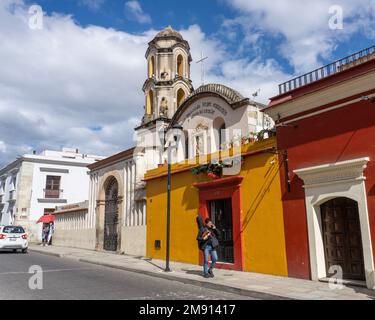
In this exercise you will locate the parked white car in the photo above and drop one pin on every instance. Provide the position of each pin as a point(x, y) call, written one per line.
point(13, 238)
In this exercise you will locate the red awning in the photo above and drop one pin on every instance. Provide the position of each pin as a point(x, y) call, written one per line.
point(47, 218)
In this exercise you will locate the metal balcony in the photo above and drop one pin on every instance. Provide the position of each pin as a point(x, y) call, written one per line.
point(53, 194)
point(328, 70)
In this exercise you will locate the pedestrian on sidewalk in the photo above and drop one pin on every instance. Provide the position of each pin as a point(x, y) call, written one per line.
point(208, 242)
point(51, 230)
point(45, 232)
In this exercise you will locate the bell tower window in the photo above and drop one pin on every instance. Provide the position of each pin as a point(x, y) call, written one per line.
point(180, 97)
point(150, 103)
point(151, 67)
point(180, 66)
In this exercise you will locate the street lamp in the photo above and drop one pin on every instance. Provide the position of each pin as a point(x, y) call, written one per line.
point(176, 139)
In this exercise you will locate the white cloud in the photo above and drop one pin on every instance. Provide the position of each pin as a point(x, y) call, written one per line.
point(93, 5)
point(244, 75)
point(134, 11)
point(58, 82)
point(3, 146)
point(73, 86)
point(303, 25)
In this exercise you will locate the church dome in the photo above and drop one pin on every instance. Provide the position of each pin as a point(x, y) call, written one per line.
point(169, 32)
point(230, 95)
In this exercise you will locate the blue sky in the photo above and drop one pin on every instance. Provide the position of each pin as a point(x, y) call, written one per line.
point(77, 81)
point(210, 15)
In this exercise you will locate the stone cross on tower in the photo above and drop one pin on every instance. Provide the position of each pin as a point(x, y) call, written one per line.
point(201, 61)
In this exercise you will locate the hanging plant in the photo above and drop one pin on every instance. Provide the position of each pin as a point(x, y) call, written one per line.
point(214, 170)
point(265, 134)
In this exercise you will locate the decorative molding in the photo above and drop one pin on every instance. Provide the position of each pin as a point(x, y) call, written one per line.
point(344, 171)
point(43, 200)
point(219, 183)
point(54, 170)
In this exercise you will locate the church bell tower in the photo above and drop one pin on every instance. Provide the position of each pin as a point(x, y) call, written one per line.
point(167, 86)
point(168, 81)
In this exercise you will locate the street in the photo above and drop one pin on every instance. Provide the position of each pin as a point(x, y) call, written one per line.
point(68, 279)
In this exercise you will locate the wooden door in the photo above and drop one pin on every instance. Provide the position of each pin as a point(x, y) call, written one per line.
point(342, 237)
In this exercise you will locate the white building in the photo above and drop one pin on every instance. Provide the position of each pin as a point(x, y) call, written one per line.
point(34, 185)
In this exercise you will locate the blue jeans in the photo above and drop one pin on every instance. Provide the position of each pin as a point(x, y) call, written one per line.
point(208, 250)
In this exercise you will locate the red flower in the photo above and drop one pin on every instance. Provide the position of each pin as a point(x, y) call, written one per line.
point(212, 175)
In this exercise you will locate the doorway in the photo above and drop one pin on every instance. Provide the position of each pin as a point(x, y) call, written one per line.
point(111, 216)
point(221, 216)
point(342, 237)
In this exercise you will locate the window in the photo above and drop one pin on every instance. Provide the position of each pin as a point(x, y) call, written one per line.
point(12, 195)
point(180, 97)
point(222, 139)
point(2, 186)
point(180, 66)
point(11, 229)
point(151, 67)
point(150, 103)
point(13, 182)
point(53, 187)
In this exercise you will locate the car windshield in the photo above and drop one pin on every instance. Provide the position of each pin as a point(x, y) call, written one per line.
point(12, 229)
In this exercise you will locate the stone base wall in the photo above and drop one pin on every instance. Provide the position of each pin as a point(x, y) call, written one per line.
point(83, 239)
point(133, 240)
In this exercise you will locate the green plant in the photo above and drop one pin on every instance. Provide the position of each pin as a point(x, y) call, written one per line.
point(216, 168)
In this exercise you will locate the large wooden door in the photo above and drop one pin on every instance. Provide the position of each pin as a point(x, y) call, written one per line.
point(221, 216)
point(342, 237)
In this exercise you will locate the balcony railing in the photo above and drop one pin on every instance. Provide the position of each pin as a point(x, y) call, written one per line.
point(328, 70)
point(52, 194)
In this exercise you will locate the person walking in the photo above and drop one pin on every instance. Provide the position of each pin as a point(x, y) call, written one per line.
point(45, 232)
point(51, 230)
point(208, 242)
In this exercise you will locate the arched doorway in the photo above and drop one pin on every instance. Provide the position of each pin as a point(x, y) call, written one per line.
point(342, 237)
point(111, 216)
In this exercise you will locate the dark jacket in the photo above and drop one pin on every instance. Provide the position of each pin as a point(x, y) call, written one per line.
point(212, 240)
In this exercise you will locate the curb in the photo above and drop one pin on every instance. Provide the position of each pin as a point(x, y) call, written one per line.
point(59, 255)
point(166, 276)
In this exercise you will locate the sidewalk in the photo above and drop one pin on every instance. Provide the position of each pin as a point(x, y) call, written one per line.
point(244, 283)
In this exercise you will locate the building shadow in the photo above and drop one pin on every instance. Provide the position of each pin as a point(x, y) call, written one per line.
point(370, 293)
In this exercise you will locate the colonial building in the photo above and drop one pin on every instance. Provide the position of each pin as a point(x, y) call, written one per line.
point(326, 139)
point(35, 183)
point(245, 205)
point(212, 118)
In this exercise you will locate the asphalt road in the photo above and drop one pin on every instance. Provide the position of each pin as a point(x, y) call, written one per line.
point(68, 279)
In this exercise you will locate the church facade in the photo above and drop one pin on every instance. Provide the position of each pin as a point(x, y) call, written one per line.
point(224, 167)
point(215, 124)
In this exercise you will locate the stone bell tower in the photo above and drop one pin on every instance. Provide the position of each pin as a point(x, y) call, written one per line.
point(167, 86)
point(168, 81)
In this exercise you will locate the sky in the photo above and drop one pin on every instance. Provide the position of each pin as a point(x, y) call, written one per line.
point(77, 80)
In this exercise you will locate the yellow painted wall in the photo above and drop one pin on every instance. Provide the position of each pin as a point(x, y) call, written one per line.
point(263, 226)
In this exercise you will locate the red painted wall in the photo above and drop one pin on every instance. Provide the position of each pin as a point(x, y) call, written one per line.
point(337, 135)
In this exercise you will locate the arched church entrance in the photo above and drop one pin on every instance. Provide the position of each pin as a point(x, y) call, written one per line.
point(342, 237)
point(111, 216)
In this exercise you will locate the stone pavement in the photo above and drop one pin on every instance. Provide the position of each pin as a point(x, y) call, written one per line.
point(252, 284)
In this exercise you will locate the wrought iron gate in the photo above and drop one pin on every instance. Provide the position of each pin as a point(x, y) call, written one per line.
point(111, 216)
